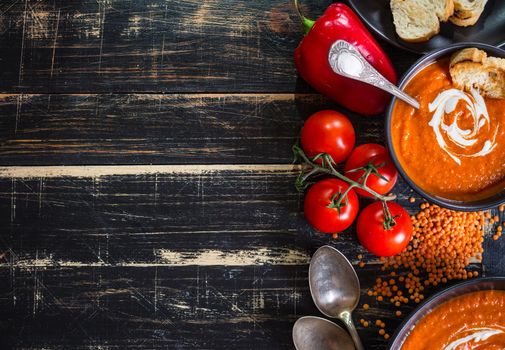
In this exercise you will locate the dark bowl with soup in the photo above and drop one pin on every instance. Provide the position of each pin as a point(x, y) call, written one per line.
point(452, 149)
point(468, 313)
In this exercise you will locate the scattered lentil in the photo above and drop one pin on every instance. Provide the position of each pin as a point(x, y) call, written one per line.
point(442, 246)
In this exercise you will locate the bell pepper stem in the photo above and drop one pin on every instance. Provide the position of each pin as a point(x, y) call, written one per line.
point(307, 23)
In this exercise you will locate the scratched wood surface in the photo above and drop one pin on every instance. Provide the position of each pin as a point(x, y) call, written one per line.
point(146, 184)
point(152, 46)
point(51, 129)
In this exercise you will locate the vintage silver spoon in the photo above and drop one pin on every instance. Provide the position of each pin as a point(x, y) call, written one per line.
point(334, 287)
point(316, 333)
point(346, 60)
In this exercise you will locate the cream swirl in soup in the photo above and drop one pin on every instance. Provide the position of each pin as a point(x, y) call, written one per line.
point(453, 146)
point(461, 139)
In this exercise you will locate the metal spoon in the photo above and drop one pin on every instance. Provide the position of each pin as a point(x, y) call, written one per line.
point(347, 61)
point(334, 287)
point(316, 333)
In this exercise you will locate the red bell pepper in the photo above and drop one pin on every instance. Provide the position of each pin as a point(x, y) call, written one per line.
point(339, 22)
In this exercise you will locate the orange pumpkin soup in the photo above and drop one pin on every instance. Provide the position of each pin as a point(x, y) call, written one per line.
point(453, 146)
point(471, 321)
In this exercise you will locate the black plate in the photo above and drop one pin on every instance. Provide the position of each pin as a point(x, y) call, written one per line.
point(489, 283)
point(490, 28)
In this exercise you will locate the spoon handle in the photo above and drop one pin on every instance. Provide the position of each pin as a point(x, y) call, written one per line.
point(347, 61)
point(347, 319)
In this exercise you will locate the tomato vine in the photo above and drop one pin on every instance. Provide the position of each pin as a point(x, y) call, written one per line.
point(322, 164)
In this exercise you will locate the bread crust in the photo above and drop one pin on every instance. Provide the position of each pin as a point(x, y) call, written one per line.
point(411, 12)
point(449, 10)
point(467, 14)
point(472, 68)
point(469, 54)
point(415, 22)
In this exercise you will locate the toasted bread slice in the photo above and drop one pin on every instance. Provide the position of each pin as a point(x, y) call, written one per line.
point(467, 12)
point(471, 68)
point(470, 54)
point(443, 8)
point(413, 21)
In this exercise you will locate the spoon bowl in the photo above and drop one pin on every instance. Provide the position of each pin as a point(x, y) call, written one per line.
point(334, 287)
point(347, 61)
point(316, 333)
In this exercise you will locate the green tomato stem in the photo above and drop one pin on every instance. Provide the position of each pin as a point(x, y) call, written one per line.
point(330, 170)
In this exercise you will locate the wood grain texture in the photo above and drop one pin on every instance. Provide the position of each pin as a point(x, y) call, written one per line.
point(153, 46)
point(64, 129)
point(208, 247)
point(154, 260)
point(246, 307)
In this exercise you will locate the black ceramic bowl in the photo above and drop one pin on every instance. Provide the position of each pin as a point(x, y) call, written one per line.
point(424, 61)
point(496, 283)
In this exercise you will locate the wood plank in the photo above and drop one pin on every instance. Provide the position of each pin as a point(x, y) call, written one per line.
point(67, 129)
point(100, 219)
point(209, 254)
point(136, 290)
point(193, 258)
point(97, 171)
point(143, 219)
point(205, 307)
point(154, 46)
point(154, 308)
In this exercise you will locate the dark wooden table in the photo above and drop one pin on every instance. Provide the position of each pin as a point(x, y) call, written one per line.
point(146, 185)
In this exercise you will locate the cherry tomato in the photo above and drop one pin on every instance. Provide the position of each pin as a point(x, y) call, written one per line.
point(328, 132)
point(327, 219)
point(375, 237)
point(376, 155)
point(365, 151)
